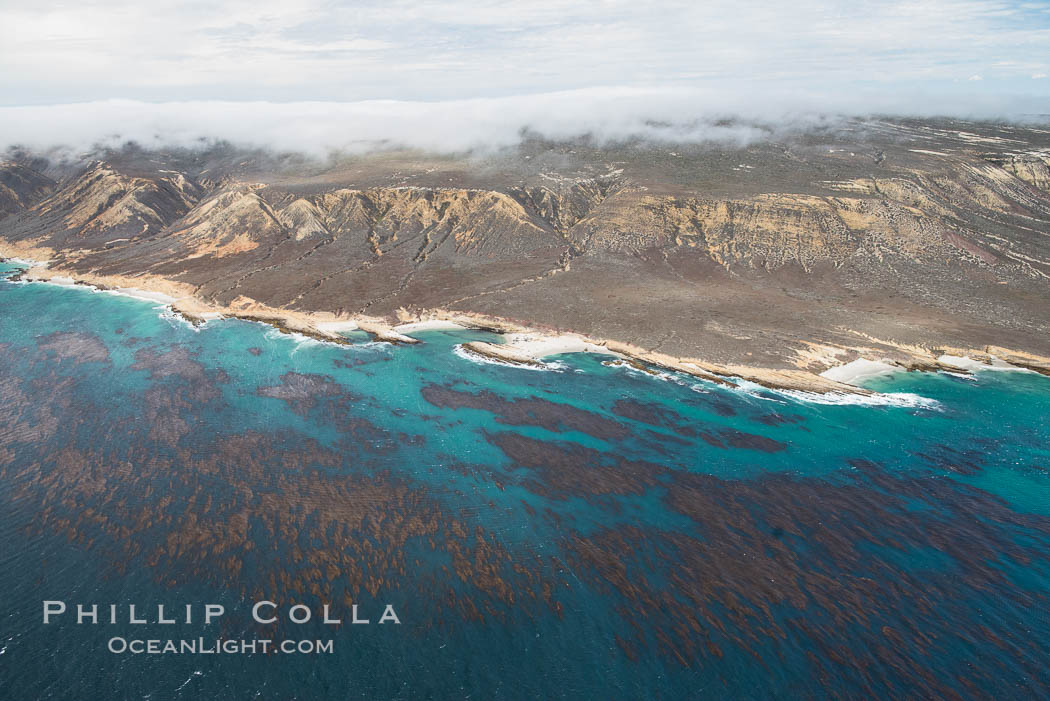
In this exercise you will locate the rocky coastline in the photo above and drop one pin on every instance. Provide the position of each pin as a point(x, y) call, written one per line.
point(526, 346)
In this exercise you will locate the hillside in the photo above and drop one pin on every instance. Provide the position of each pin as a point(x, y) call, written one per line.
point(806, 249)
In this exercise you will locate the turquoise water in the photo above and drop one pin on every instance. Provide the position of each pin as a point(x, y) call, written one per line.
point(589, 531)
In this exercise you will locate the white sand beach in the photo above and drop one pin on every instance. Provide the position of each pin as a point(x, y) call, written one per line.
point(146, 295)
point(967, 363)
point(335, 326)
point(429, 325)
point(860, 369)
point(540, 345)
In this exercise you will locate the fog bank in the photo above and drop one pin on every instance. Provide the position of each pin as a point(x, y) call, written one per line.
point(317, 128)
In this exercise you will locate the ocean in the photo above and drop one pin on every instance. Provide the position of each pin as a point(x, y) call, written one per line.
point(585, 531)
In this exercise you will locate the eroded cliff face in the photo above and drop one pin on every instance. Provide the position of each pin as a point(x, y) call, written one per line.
point(101, 205)
point(923, 218)
point(1033, 168)
point(768, 231)
point(961, 225)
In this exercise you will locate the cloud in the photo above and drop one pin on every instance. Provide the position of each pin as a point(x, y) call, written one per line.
point(318, 127)
point(449, 74)
point(662, 114)
point(272, 50)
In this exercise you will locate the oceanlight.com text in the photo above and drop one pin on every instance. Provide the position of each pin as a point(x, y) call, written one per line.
point(218, 646)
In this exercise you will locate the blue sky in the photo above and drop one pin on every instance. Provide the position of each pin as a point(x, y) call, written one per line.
point(967, 57)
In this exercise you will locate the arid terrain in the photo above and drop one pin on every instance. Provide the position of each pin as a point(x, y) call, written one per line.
point(895, 239)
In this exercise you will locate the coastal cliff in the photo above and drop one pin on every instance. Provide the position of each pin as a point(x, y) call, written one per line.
point(892, 240)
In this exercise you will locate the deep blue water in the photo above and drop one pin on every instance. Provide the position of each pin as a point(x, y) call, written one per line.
point(586, 532)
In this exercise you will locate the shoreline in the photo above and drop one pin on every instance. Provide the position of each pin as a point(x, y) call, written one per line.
point(525, 346)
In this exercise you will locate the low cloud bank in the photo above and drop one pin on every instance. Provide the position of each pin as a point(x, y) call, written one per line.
point(318, 128)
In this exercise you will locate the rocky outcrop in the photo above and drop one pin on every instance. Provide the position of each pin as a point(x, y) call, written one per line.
point(563, 202)
point(769, 231)
point(226, 225)
point(435, 221)
point(1033, 168)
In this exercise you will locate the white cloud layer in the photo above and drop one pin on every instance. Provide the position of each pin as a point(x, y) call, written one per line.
point(605, 114)
point(449, 74)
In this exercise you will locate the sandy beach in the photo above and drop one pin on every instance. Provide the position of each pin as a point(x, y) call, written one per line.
point(974, 365)
point(336, 326)
point(428, 325)
point(25, 253)
point(860, 369)
point(541, 346)
point(61, 280)
point(145, 295)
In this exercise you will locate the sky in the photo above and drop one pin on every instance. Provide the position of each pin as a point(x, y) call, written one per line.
point(453, 73)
